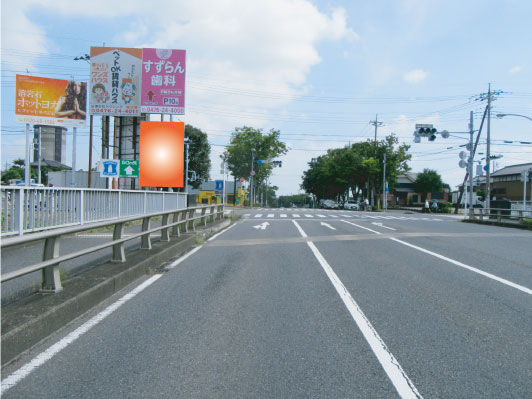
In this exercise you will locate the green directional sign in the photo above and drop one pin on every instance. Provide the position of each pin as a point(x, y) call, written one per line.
point(129, 168)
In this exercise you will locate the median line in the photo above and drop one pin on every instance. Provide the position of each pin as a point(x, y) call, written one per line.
point(404, 386)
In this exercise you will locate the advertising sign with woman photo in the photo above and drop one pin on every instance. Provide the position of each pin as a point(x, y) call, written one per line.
point(54, 102)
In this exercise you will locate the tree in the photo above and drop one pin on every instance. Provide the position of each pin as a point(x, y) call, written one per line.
point(358, 168)
point(265, 146)
point(428, 181)
point(16, 172)
point(199, 154)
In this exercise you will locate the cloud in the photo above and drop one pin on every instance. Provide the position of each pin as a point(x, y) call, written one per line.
point(516, 69)
point(415, 76)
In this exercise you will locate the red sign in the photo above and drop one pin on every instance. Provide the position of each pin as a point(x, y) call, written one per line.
point(163, 81)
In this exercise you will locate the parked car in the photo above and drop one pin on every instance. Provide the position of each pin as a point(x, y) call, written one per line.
point(351, 205)
point(328, 204)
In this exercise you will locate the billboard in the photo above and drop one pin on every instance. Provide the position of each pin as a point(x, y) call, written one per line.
point(163, 81)
point(115, 81)
point(161, 154)
point(54, 102)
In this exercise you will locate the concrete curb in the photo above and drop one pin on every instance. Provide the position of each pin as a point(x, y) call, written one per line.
point(28, 322)
point(500, 224)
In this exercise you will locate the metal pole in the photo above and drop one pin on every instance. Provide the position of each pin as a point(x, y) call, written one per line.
point(384, 204)
point(470, 165)
point(488, 172)
point(90, 153)
point(74, 130)
point(525, 175)
point(27, 166)
point(251, 179)
point(186, 166)
point(39, 156)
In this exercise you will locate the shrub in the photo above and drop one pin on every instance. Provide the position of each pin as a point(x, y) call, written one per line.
point(445, 207)
point(526, 221)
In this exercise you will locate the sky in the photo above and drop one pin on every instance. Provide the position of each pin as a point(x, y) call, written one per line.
point(317, 71)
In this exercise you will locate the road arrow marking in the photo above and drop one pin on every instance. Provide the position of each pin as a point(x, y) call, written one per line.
point(327, 225)
point(380, 225)
point(262, 226)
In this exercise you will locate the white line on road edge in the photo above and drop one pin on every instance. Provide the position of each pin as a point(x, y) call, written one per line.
point(404, 386)
point(454, 262)
point(221, 232)
point(184, 257)
point(38, 361)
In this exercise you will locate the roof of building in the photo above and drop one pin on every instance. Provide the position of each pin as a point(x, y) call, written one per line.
point(513, 169)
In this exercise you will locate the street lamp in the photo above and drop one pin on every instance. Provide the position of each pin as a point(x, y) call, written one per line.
point(500, 116)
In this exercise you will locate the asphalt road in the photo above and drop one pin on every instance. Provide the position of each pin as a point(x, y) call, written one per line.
point(309, 303)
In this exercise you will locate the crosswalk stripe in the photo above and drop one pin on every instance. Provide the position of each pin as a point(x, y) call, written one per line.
point(258, 215)
point(270, 215)
point(296, 215)
point(321, 216)
point(309, 216)
point(283, 215)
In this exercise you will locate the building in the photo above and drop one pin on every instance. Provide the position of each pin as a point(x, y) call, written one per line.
point(507, 183)
point(405, 194)
point(207, 193)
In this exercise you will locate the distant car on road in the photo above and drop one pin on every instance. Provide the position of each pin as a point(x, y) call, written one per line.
point(328, 204)
point(351, 205)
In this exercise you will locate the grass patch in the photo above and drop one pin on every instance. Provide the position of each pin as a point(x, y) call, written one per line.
point(527, 222)
point(198, 238)
point(63, 273)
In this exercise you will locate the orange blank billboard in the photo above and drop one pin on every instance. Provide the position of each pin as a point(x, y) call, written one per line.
point(161, 154)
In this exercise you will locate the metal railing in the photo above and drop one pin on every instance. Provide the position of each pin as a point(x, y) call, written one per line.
point(501, 214)
point(183, 220)
point(31, 209)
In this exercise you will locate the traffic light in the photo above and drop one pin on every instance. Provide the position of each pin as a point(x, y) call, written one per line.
point(424, 130)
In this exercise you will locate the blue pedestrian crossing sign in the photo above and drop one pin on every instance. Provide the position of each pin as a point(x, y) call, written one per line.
point(109, 168)
point(219, 184)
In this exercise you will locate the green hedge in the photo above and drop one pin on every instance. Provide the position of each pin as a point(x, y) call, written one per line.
point(445, 207)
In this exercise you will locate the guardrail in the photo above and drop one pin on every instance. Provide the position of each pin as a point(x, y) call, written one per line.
point(182, 220)
point(499, 214)
point(31, 209)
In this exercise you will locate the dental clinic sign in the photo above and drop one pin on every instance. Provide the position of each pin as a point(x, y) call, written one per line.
point(163, 81)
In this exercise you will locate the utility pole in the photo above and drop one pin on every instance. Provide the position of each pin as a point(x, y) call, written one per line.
point(488, 171)
point(470, 164)
point(377, 124)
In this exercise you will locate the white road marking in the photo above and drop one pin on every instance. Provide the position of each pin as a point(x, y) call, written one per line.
point(381, 225)
point(359, 226)
point(333, 216)
point(283, 215)
point(221, 232)
point(321, 216)
point(327, 225)
point(270, 215)
point(38, 361)
point(262, 226)
point(404, 386)
point(475, 270)
point(258, 215)
point(309, 216)
point(454, 262)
